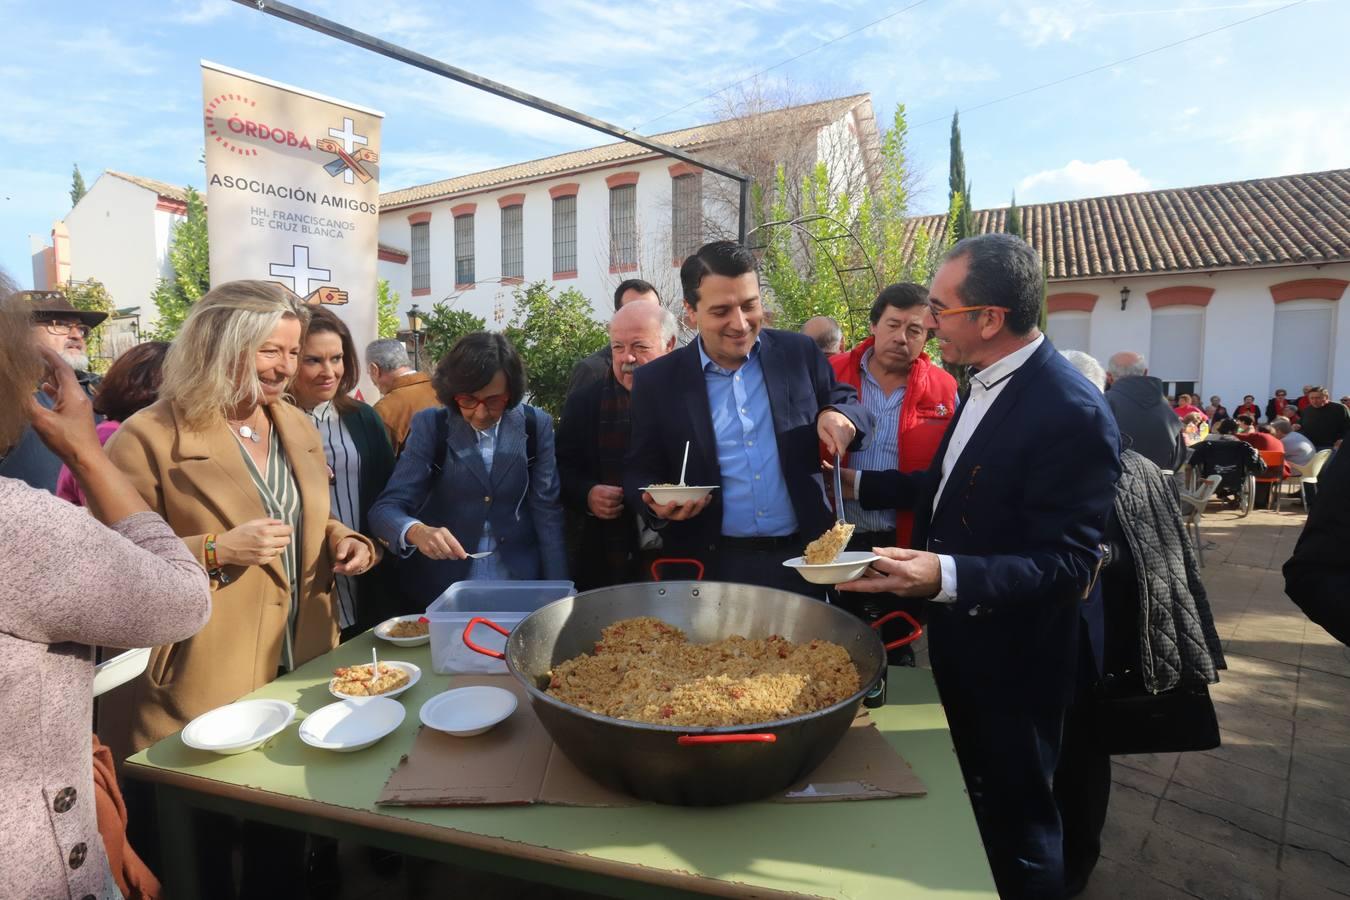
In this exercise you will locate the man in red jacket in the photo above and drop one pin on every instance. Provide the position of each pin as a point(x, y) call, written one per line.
point(912, 401)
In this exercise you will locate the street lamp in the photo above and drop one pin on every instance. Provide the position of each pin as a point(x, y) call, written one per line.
point(1124, 297)
point(415, 326)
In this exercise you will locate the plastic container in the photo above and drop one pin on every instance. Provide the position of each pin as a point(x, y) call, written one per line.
point(504, 602)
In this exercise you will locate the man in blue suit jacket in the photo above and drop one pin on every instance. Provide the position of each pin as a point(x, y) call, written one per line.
point(1010, 516)
point(754, 406)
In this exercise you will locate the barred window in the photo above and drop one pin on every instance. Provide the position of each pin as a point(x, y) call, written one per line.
point(464, 249)
point(686, 220)
point(421, 256)
point(513, 241)
point(623, 227)
point(565, 234)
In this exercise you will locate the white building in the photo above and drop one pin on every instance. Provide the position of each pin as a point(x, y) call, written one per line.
point(118, 234)
point(1228, 289)
point(591, 218)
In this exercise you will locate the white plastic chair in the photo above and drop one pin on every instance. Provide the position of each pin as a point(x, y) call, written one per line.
point(1193, 508)
point(1307, 474)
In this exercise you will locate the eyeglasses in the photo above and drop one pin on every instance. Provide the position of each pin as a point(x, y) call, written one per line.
point(62, 329)
point(496, 403)
point(938, 312)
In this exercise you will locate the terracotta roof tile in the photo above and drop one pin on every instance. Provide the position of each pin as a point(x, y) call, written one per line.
point(1289, 220)
point(162, 188)
point(807, 115)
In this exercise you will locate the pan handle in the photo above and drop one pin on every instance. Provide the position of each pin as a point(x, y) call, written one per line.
point(666, 561)
point(893, 614)
point(687, 740)
point(479, 620)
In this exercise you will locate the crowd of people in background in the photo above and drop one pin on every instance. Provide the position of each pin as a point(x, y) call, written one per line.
point(249, 513)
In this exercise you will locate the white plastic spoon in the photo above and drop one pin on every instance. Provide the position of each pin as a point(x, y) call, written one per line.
point(684, 464)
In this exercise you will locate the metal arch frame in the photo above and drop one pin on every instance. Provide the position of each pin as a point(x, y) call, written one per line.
point(798, 223)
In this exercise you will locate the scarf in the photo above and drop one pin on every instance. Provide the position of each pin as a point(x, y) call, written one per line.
point(614, 428)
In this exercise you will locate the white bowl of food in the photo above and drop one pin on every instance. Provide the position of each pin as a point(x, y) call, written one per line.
point(405, 631)
point(355, 682)
point(678, 493)
point(467, 711)
point(238, 727)
point(345, 726)
point(846, 567)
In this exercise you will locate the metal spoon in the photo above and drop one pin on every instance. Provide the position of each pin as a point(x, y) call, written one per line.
point(481, 555)
point(838, 490)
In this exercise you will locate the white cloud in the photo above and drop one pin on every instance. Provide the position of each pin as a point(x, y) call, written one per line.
point(200, 13)
point(1079, 179)
point(402, 168)
point(1039, 24)
point(1288, 141)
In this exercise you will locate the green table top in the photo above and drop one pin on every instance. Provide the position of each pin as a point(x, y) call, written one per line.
point(908, 847)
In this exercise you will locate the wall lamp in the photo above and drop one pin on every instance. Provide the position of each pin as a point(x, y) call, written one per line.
point(1124, 297)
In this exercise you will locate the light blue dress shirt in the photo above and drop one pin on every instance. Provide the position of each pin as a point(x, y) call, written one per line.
point(883, 451)
point(755, 501)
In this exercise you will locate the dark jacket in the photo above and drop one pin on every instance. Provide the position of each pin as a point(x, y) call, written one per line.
point(578, 472)
point(519, 496)
point(1022, 515)
point(1158, 622)
point(1317, 576)
point(1148, 426)
point(591, 370)
point(1326, 425)
point(29, 460)
point(670, 407)
point(378, 595)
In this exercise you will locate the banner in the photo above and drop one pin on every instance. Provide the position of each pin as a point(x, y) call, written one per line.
point(293, 194)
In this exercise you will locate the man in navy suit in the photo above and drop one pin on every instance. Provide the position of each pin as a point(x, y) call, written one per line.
point(754, 405)
point(1008, 523)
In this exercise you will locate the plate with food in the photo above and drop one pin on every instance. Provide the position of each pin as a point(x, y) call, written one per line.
point(345, 727)
point(355, 682)
point(825, 561)
point(679, 493)
point(405, 631)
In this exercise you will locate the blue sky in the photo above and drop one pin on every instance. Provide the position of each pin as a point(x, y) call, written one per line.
point(117, 86)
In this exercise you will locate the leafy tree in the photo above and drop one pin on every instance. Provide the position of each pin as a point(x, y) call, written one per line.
point(1014, 223)
point(189, 255)
point(443, 326)
point(958, 187)
point(77, 188)
point(552, 332)
point(92, 296)
point(386, 310)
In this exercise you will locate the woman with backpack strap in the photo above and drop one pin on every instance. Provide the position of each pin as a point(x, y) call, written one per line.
point(476, 477)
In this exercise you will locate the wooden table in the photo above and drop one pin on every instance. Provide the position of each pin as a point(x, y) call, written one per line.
point(909, 847)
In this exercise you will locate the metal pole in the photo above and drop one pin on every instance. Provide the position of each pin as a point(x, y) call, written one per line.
point(445, 70)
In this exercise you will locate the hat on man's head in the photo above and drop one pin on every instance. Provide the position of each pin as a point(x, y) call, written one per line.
point(54, 305)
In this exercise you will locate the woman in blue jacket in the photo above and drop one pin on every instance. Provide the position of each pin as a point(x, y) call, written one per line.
point(477, 476)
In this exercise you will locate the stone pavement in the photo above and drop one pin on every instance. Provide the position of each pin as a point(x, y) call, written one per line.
point(1266, 816)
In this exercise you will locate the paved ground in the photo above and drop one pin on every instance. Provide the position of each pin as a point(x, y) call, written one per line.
point(1264, 817)
point(1267, 815)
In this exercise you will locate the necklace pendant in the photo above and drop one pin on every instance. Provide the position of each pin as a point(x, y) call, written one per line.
point(249, 434)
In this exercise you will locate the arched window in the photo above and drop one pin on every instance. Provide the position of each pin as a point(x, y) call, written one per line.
point(1301, 344)
point(1069, 330)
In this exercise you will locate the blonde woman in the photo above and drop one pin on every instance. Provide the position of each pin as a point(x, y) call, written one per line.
point(240, 477)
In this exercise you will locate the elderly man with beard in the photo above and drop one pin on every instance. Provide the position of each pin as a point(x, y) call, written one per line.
point(58, 325)
point(592, 444)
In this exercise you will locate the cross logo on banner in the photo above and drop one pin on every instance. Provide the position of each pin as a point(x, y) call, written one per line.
point(350, 140)
point(299, 272)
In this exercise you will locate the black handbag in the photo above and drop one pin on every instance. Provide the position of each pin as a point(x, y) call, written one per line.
point(1131, 720)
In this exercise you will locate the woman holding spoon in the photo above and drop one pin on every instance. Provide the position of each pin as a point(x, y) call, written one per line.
point(475, 493)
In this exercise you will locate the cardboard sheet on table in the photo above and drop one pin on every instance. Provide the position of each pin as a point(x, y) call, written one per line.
point(518, 763)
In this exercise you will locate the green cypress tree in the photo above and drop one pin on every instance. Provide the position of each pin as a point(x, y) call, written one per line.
point(1013, 225)
point(77, 188)
point(958, 186)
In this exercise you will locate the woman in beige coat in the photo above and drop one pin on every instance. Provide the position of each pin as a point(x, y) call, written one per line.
point(71, 580)
point(240, 476)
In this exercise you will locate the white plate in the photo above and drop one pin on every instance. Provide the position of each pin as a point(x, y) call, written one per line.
point(468, 711)
point(683, 493)
point(382, 632)
point(120, 669)
point(414, 673)
point(345, 726)
point(846, 566)
point(238, 727)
